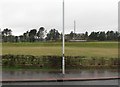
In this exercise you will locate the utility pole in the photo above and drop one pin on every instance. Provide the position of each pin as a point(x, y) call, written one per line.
point(63, 47)
point(74, 28)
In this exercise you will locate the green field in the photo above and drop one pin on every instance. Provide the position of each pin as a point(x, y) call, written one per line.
point(89, 49)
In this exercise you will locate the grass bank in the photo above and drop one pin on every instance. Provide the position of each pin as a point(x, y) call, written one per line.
point(88, 49)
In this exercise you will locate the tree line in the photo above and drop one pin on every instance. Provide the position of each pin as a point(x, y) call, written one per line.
point(54, 35)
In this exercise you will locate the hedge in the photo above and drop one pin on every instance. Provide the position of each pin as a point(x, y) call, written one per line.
point(55, 62)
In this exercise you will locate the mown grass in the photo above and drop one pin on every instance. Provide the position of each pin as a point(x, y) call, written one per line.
point(89, 49)
point(68, 44)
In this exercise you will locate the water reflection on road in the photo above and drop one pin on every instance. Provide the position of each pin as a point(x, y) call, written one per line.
point(96, 82)
point(37, 74)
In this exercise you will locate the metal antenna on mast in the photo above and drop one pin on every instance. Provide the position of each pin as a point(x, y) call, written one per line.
point(63, 47)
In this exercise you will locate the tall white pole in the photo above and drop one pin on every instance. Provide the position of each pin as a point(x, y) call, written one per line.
point(63, 49)
point(74, 28)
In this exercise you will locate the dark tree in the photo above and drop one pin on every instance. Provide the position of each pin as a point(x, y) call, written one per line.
point(110, 35)
point(7, 32)
point(116, 36)
point(53, 35)
point(92, 36)
point(6, 35)
point(32, 35)
point(86, 35)
point(102, 36)
point(21, 38)
point(26, 36)
point(16, 38)
point(41, 33)
point(71, 35)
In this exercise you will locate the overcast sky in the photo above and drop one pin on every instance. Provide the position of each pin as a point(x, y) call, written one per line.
point(90, 15)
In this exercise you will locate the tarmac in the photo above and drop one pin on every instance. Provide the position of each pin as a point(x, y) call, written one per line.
point(59, 79)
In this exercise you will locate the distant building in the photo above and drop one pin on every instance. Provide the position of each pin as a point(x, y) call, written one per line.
point(77, 37)
point(80, 36)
